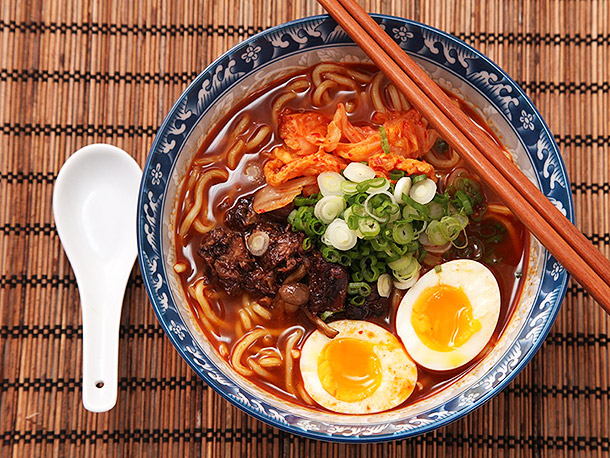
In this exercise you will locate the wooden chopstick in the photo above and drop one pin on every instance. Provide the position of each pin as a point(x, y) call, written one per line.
point(484, 143)
point(573, 252)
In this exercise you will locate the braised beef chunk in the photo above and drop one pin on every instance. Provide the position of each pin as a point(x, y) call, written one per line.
point(241, 216)
point(328, 285)
point(374, 306)
point(226, 258)
point(261, 281)
point(228, 262)
point(284, 252)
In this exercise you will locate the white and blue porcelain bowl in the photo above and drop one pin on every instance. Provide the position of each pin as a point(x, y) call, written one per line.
point(276, 52)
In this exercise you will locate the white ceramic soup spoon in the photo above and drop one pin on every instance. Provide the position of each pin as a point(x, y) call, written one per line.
point(94, 204)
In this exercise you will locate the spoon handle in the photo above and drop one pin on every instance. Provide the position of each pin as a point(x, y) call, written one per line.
point(101, 313)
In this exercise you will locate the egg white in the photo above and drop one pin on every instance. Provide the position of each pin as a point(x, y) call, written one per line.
point(399, 372)
point(483, 292)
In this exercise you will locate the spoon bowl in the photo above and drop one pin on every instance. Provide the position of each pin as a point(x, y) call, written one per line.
point(94, 205)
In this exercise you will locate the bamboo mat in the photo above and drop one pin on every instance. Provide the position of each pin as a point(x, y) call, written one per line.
point(76, 72)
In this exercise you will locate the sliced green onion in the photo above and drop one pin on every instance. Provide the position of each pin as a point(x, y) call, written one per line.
point(392, 258)
point(368, 227)
point(405, 262)
point(384, 285)
point(375, 207)
point(369, 269)
point(385, 145)
point(359, 198)
point(357, 300)
point(421, 211)
point(373, 185)
point(396, 175)
point(357, 172)
point(439, 235)
point(365, 250)
point(405, 268)
point(330, 254)
point(298, 216)
point(423, 191)
point(463, 202)
point(350, 218)
point(328, 208)
point(413, 246)
point(360, 288)
point(357, 276)
point(451, 226)
point(442, 199)
point(402, 232)
point(435, 234)
point(372, 274)
point(353, 222)
point(403, 186)
point(258, 242)
point(302, 201)
point(419, 226)
point(330, 183)
point(384, 186)
point(410, 214)
point(418, 178)
point(349, 187)
point(403, 277)
point(359, 210)
point(404, 285)
point(315, 227)
point(340, 236)
point(379, 244)
point(326, 315)
point(345, 260)
point(436, 210)
point(469, 186)
point(308, 243)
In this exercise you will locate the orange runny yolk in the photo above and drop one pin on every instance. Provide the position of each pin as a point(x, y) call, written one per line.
point(442, 318)
point(349, 369)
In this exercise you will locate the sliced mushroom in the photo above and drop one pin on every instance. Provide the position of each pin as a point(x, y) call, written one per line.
point(324, 328)
point(294, 293)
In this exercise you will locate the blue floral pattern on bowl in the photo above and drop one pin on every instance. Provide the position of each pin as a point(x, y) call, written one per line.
point(434, 49)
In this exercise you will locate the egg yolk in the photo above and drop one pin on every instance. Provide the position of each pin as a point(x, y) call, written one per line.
point(442, 318)
point(349, 369)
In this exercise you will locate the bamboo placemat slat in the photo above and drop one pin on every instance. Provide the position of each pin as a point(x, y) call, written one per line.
point(77, 72)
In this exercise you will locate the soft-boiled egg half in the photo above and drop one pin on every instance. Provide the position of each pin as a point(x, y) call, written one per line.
point(364, 369)
point(449, 315)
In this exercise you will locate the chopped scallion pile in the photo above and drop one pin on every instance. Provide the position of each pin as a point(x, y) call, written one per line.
point(379, 228)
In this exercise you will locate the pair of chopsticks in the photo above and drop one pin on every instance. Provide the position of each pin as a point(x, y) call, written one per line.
point(569, 246)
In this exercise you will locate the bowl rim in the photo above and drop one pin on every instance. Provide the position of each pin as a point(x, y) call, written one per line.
point(561, 285)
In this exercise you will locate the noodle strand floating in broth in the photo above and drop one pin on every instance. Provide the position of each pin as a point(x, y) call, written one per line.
point(205, 180)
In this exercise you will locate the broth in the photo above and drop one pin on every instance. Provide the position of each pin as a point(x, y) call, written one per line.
point(508, 260)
